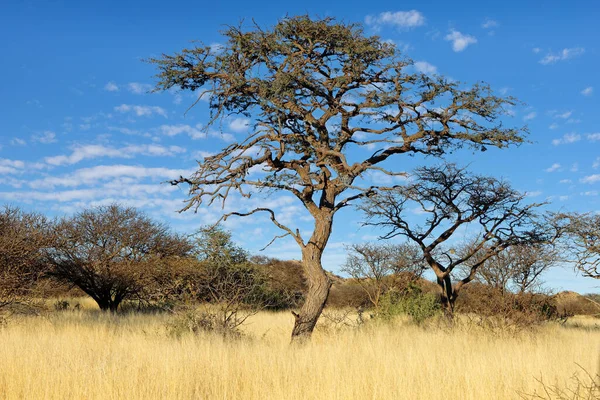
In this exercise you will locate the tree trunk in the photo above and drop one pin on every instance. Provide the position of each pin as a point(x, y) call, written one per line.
point(447, 296)
point(103, 304)
point(318, 281)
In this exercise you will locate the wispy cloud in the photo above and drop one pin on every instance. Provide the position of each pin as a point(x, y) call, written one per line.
point(561, 115)
point(45, 137)
point(89, 176)
point(567, 139)
point(139, 88)
point(555, 167)
point(111, 87)
point(529, 116)
point(425, 68)
point(399, 19)
point(587, 91)
point(10, 167)
point(140, 110)
point(80, 153)
point(591, 178)
point(195, 132)
point(564, 54)
point(489, 23)
point(239, 125)
point(460, 41)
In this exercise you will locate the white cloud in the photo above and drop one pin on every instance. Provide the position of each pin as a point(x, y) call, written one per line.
point(564, 115)
point(195, 132)
point(536, 50)
point(111, 87)
point(590, 193)
point(141, 111)
point(138, 88)
point(594, 137)
point(92, 175)
point(400, 19)
point(80, 153)
point(217, 47)
point(565, 181)
point(489, 23)
point(239, 125)
point(10, 167)
point(18, 142)
point(425, 68)
point(553, 168)
point(45, 137)
point(553, 125)
point(567, 139)
point(587, 91)
point(530, 116)
point(596, 163)
point(574, 167)
point(459, 40)
point(591, 179)
point(534, 193)
point(562, 55)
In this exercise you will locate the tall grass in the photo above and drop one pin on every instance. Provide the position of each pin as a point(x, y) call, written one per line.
point(86, 355)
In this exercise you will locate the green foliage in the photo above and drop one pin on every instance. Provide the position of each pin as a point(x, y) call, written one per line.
point(413, 302)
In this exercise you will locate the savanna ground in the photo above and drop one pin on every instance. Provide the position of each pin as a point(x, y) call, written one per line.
point(86, 354)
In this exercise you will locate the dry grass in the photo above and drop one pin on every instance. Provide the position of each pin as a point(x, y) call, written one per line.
point(85, 355)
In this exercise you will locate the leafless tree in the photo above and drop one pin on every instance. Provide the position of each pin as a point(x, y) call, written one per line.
point(580, 241)
point(453, 199)
point(22, 237)
point(371, 265)
point(518, 269)
point(111, 252)
point(320, 94)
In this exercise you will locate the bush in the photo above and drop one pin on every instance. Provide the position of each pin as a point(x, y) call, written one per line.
point(419, 306)
point(206, 321)
point(495, 309)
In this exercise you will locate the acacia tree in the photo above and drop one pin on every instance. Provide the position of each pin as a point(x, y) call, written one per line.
point(518, 268)
point(371, 265)
point(580, 241)
point(329, 105)
point(111, 252)
point(453, 199)
point(22, 238)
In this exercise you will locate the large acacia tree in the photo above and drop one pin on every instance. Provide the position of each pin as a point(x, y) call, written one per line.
point(329, 105)
point(112, 253)
point(455, 203)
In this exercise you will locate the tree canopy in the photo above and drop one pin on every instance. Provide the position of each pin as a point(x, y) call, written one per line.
point(329, 105)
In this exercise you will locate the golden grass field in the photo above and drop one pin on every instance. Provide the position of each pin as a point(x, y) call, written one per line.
point(86, 355)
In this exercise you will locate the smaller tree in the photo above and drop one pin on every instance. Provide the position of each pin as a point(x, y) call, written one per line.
point(226, 279)
point(518, 268)
point(22, 237)
point(580, 241)
point(371, 265)
point(453, 199)
point(111, 252)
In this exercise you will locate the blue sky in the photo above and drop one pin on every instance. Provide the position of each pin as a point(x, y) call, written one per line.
point(79, 127)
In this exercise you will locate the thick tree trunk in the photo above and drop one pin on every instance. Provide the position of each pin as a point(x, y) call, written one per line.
point(447, 296)
point(108, 304)
point(317, 280)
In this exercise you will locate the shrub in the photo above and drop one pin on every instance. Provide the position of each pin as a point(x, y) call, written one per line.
point(419, 306)
point(496, 310)
point(206, 321)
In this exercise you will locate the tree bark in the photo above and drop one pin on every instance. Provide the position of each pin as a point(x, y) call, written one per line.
point(447, 296)
point(317, 280)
